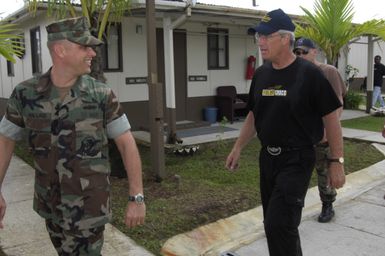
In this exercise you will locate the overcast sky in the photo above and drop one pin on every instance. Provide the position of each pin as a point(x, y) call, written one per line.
point(364, 9)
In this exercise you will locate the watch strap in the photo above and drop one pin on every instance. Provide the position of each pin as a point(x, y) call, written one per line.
point(138, 198)
point(336, 160)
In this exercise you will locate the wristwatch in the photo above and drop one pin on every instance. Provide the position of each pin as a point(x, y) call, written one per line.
point(336, 160)
point(138, 198)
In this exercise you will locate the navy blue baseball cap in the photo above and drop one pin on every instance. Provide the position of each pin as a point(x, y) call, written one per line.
point(272, 22)
point(304, 44)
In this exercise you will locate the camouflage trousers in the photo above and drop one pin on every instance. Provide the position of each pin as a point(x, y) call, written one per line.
point(327, 194)
point(87, 242)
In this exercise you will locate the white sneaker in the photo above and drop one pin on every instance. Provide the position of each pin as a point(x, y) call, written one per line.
point(374, 108)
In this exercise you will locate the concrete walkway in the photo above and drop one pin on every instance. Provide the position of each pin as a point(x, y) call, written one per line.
point(358, 228)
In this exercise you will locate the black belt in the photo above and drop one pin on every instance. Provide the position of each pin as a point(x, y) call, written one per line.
point(277, 150)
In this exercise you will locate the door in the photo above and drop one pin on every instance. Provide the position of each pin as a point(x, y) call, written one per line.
point(180, 68)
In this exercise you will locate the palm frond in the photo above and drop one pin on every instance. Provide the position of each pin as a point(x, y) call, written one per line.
point(331, 26)
point(10, 41)
point(101, 10)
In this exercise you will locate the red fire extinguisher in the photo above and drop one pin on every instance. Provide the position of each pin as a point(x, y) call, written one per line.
point(250, 67)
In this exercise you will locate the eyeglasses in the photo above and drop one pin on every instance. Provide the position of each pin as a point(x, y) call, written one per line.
point(265, 37)
point(300, 52)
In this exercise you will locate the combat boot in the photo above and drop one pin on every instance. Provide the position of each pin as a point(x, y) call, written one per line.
point(327, 213)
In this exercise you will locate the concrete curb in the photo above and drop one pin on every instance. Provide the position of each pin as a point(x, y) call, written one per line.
point(243, 228)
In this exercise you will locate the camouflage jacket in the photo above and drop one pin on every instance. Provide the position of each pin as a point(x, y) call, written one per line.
point(68, 140)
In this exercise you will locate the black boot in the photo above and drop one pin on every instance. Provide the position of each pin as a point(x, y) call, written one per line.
point(327, 213)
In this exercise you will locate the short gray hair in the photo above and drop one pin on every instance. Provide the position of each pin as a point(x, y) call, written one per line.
point(291, 35)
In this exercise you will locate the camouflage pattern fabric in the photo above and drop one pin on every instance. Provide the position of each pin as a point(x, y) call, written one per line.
point(327, 193)
point(88, 242)
point(75, 30)
point(68, 141)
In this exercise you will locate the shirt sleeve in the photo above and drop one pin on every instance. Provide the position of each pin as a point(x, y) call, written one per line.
point(12, 124)
point(13, 112)
point(10, 130)
point(324, 97)
point(118, 127)
point(116, 121)
point(336, 82)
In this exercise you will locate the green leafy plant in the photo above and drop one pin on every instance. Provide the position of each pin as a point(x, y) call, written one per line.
point(220, 143)
point(352, 100)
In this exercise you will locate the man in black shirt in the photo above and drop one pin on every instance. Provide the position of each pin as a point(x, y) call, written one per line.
point(290, 103)
point(379, 72)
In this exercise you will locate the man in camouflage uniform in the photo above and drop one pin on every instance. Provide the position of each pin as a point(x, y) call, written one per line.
point(68, 117)
point(306, 49)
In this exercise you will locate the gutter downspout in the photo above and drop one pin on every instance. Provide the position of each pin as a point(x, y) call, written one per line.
point(168, 29)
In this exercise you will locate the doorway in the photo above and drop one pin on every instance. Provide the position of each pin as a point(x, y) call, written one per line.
point(180, 68)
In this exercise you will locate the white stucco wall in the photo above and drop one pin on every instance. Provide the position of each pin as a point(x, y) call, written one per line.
point(358, 55)
point(134, 63)
point(135, 59)
point(23, 67)
point(240, 45)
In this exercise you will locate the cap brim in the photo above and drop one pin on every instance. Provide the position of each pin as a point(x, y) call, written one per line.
point(87, 41)
point(302, 48)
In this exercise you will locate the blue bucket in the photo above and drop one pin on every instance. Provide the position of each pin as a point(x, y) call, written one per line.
point(211, 114)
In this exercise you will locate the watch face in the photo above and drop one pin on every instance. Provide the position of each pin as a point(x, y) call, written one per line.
point(139, 198)
point(341, 160)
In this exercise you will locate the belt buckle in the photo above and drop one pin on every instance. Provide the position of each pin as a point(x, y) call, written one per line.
point(274, 151)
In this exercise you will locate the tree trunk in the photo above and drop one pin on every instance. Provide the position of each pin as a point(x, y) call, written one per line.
point(97, 61)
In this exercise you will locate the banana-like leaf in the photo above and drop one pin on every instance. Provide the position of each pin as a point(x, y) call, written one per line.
point(330, 26)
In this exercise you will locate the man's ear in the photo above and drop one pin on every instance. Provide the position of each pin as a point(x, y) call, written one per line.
point(286, 39)
point(59, 50)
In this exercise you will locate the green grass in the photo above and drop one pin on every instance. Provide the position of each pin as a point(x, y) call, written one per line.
point(369, 123)
point(198, 190)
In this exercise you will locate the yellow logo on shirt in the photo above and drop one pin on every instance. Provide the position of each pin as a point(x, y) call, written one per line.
point(274, 91)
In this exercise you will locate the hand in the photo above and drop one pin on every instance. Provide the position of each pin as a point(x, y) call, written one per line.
point(336, 175)
point(3, 207)
point(135, 214)
point(232, 160)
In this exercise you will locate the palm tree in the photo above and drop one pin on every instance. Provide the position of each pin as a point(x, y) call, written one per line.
point(331, 26)
point(10, 41)
point(98, 13)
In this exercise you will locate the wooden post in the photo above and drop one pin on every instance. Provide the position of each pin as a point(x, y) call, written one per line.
point(155, 96)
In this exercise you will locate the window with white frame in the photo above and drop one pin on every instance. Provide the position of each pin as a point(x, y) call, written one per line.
point(10, 68)
point(36, 51)
point(112, 49)
point(218, 48)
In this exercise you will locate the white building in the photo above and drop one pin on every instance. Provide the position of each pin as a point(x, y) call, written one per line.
point(210, 45)
point(210, 48)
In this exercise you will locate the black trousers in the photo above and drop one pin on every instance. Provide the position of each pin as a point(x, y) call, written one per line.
point(284, 181)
